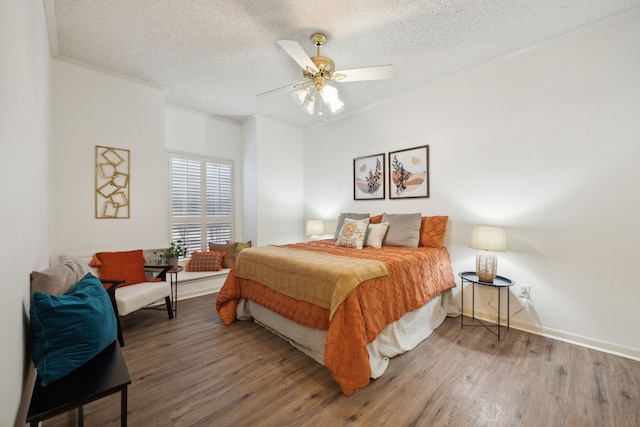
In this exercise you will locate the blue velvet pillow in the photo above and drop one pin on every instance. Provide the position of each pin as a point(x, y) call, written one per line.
point(69, 330)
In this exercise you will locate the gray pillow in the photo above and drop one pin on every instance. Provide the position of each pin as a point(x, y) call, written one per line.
point(350, 216)
point(229, 250)
point(59, 279)
point(404, 230)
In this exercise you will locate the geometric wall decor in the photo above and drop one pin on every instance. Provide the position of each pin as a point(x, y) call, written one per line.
point(112, 182)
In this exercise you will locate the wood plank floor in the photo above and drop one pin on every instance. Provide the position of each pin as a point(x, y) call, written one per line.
point(194, 371)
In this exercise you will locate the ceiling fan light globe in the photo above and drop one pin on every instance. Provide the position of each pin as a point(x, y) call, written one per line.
point(309, 106)
point(335, 105)
point(329, 93)
point(299, 96)
point(330, 97)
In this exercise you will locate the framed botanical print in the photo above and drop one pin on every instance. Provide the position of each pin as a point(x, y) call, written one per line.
point(368, 177)
point(409, 173)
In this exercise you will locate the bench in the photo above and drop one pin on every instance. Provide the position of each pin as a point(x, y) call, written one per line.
point(197, 283)
point(190, 283)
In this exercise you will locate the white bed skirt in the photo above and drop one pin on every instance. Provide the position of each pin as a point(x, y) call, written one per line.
point(396, 338)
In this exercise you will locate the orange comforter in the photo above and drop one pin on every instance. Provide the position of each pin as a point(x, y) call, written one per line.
point(415, 276)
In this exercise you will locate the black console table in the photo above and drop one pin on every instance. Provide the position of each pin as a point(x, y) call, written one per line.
point(103, 375)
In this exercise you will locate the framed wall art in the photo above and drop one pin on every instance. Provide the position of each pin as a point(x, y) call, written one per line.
point(368, 177)
point(112, 182)
point(409, 173)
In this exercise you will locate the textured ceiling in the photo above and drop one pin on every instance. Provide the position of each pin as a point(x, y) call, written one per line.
point(214, 56)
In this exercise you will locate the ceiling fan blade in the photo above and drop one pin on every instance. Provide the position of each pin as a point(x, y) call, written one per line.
point(280, 89)
point(285, 88)
point(298, 54)
point(380, 72)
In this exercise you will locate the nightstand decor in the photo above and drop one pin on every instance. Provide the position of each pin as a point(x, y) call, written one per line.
point(315, 228)
point(487, 239)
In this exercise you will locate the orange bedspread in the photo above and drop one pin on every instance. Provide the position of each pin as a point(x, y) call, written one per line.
point(415, 276)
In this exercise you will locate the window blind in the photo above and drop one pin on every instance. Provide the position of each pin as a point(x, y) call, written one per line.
point(201, 200)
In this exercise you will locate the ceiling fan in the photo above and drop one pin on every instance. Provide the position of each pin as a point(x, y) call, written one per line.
point(318, 71)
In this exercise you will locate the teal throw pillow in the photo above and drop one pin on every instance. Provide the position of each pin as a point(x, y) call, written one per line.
point(69, 330)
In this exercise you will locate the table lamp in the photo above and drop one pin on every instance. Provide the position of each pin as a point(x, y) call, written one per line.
point(315, 228)
point(487, 239)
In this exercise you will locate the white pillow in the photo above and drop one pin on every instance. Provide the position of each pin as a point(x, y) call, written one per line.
point(353, 233)
point(376, 234)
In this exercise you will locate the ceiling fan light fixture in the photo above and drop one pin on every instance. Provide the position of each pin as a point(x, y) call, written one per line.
point(330, 97)
point(309, 104)
point(300, 96)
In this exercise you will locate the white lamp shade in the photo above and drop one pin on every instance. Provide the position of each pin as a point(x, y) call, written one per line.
point(315, 227)
point(488, 238)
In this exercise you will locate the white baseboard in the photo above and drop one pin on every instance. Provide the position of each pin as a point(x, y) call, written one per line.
point(606, 347)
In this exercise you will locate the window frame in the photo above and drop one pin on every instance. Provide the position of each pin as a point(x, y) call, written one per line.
point(203, 220)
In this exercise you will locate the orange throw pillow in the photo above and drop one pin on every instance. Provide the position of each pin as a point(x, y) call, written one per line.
point(127, 266)
point(376, 219)
point(206, 261)
point(432, 229)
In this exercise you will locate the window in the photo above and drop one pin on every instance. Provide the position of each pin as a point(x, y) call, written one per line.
point(201, 200)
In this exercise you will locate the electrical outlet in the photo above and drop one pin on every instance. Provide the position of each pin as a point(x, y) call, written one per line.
point(525, 291)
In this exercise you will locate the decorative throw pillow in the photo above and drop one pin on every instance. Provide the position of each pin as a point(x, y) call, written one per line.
point(58, 279)
point(376, 233)
point(432, 231)
point(205, 261)
point(376, 219)
point(241, 245)
point(127, 266)
point(229, 250)
point(69, 330)
point(343, 216)
point(353, 233)
point(404, 230)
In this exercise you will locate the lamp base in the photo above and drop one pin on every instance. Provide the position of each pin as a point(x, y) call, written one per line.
point(486, 266)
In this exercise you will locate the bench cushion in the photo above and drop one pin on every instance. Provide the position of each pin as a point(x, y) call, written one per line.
point(131, 298)
point(70, 329)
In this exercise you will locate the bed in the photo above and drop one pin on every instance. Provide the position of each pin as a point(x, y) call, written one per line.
point(351, 309)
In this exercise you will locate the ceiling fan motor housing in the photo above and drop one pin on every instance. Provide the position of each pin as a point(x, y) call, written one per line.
point(325, 65)
point(325, 68)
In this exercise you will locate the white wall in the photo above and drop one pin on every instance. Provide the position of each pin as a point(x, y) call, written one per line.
point(545, 143)
point(250, 181)
point(24, 138)
point(92, 108)
point(275, 152)
point(196, 133)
